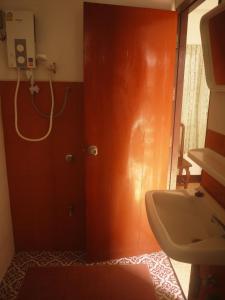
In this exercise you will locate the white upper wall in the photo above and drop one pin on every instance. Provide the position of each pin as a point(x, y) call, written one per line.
point(59, 33)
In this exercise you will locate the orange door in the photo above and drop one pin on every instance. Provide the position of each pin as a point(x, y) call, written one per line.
point(129, 76)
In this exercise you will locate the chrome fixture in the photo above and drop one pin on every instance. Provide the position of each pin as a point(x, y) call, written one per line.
point(71, 210)
point(69, 157)
point(92, 150)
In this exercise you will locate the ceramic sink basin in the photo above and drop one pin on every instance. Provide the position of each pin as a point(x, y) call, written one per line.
point(188, 228)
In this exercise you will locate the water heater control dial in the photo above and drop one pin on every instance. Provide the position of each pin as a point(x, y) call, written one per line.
point(21, 59)
point(20, 48)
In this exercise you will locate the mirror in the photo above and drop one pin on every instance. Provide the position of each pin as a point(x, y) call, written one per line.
point(213, 43)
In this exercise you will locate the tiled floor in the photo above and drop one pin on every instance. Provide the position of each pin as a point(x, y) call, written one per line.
point(183, 272)
point(164, 279)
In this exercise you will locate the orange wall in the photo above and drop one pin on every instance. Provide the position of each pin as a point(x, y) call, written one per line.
point(41, 183)
point(216, 142)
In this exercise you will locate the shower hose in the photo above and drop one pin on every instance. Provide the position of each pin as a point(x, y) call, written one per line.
point(16, 111)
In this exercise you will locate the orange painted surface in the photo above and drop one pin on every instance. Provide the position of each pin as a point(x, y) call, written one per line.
point(213, 187)
point(215, 290)
point(129, 77)
point(217, 30)
point(41, 183)
point(207, 282)
point(216, 142)
point(102, 282)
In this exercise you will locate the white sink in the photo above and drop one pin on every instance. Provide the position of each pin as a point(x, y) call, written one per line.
point(187, 227)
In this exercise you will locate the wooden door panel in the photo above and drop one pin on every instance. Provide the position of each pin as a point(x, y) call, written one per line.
point(129, 74)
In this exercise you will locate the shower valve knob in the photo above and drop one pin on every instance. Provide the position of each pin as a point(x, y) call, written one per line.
point(71, 210)
point(69, 157)
point(34, 89)
point(92, 150)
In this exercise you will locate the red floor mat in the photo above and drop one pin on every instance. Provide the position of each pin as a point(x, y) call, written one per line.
point(99, 282)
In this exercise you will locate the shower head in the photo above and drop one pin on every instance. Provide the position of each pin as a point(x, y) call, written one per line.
point(42, 58)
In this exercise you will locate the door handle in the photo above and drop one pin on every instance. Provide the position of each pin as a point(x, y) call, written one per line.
point(92, 150)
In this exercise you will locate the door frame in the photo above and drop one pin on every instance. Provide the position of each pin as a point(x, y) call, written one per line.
point(183, 10)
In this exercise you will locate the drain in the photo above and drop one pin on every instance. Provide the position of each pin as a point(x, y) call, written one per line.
point(199, 194)
point(196, 240)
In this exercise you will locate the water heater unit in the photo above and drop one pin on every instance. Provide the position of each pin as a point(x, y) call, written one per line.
point(20, 39)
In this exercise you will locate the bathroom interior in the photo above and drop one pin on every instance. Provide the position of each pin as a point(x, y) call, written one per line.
point(112, 149)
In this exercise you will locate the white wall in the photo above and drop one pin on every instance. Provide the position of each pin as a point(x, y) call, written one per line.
point(6, 235)
point(59, 33)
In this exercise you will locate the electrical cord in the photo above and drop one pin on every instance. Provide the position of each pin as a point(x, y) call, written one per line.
point(16, 111)
point(57, 114)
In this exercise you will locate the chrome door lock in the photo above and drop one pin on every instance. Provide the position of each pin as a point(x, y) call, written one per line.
point(92, 150)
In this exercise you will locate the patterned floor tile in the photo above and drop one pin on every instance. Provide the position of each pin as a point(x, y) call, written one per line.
point(160, 269)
